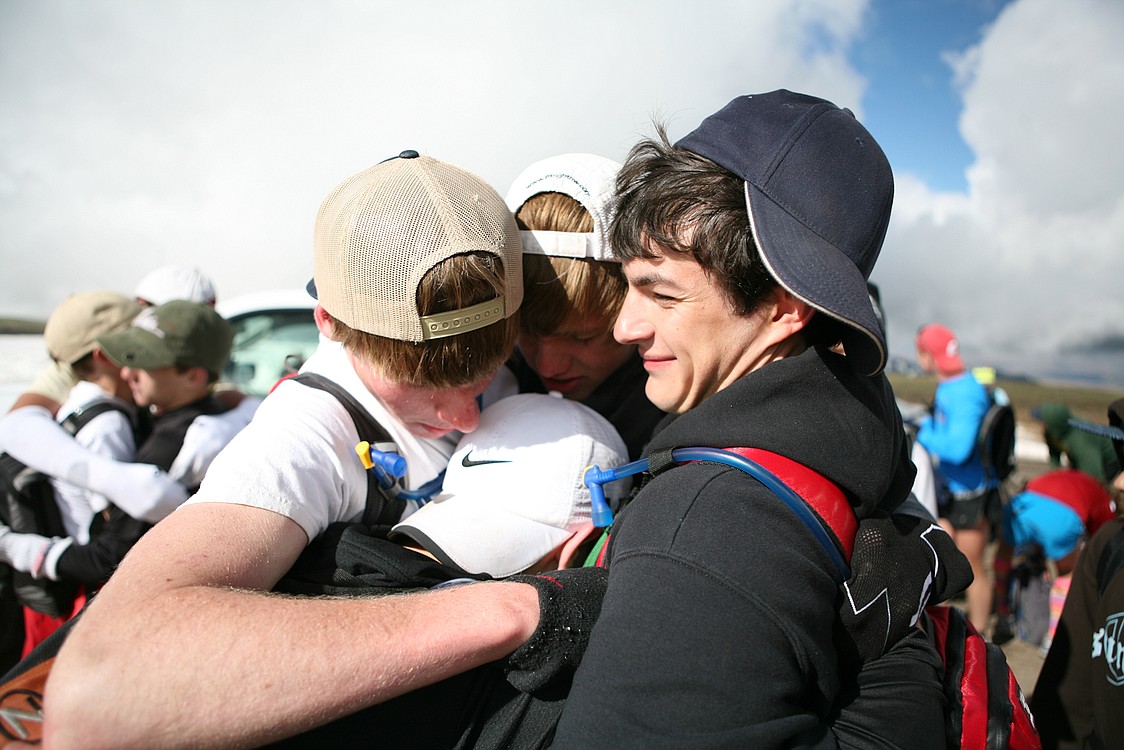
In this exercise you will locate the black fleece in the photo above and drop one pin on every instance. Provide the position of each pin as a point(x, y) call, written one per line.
point(717, 629)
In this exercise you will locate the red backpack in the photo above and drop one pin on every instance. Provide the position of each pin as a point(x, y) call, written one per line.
point(984, 705)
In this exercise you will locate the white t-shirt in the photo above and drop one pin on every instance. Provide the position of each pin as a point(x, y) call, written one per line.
point(110, 435)
point(297, 456)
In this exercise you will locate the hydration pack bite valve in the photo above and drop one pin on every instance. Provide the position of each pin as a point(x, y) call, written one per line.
point(384, 460)
point(595, 477)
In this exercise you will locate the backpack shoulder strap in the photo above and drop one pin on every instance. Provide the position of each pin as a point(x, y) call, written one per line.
point(1110, 562)
point(83, 415)
point(818, 502)
point(382, 508)
point(823, 496)
point(995, 441)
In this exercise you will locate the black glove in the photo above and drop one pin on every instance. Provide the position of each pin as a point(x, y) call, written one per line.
point(569, 603)
point(900, 565)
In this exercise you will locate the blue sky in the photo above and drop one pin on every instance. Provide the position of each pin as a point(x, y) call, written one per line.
point(134, 134)
point(912, 101)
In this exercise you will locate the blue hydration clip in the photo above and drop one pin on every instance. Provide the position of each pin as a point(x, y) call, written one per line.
point(603, 515)
point(595, 477)
point(384, 460)
point(388, 466)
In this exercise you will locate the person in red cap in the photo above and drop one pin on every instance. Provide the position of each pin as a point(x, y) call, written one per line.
point(949, 435)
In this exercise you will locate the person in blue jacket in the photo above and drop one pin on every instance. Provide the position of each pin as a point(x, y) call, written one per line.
point(949, 434)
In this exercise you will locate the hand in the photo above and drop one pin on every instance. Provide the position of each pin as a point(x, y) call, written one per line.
point(569, 603)
point(24, 552)
point(900, 565)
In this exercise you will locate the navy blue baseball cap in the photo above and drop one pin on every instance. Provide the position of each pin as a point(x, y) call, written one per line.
point(819, 190)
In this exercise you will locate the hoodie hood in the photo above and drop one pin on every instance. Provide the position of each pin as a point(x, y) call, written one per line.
point(815, 409)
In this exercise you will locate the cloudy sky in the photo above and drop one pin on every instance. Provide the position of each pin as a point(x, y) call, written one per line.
point(206, 132)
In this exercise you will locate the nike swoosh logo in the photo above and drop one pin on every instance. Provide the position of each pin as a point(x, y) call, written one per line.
point(469, 463)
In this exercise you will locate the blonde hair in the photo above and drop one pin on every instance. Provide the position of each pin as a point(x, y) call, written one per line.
point(456, 282)
point(557, 290)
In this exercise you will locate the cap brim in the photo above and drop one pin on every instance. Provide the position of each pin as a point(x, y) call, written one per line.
point(480, 540)
point(815, 271)
point(136, 347)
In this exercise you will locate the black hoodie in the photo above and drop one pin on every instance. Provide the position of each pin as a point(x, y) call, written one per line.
point(721, 602)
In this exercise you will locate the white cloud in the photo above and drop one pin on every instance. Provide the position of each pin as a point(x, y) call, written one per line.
point(208, 131)
point(1031, 258)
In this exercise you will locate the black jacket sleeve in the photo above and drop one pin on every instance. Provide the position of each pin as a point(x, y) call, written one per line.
point(111, 537)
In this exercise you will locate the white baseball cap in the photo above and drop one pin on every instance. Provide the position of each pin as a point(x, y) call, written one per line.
point(587, 178)
point(169, 283)
point(514, 489)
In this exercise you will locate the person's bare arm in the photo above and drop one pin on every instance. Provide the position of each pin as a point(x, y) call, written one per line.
point(182, 648)
point(28, 398)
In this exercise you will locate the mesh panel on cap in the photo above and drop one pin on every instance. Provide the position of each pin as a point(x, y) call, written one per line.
point(379, 232)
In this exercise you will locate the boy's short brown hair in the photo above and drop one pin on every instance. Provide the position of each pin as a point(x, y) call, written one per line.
point(455, 283)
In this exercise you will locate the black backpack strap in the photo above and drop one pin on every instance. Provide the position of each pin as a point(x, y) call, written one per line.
point(1110, 562)
point(83, 415)
point(660, 461)
point(383, 509)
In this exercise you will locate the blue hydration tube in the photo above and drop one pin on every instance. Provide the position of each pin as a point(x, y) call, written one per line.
point(603, 514)
point(425, 493)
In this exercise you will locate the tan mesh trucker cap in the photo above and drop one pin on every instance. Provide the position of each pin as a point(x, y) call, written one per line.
point(380, 231)
point(75, 324)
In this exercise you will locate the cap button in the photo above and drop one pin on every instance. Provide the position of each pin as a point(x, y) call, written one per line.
point(408, 154)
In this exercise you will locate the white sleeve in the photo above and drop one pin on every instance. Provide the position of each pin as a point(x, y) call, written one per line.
point(205, 437)
point(297, 458)
point(32, 435)
point(109, 435)
point(141, 490)
point(924, 485)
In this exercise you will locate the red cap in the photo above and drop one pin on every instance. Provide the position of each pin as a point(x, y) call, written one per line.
point(941, 344)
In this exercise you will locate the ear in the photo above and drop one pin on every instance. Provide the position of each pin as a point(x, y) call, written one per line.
point(101, 359)
point(198, 377)
point(323, 321)
point(790, 314)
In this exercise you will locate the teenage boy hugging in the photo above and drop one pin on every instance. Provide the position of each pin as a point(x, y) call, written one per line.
point(168, 358)
point(418, 278)
point(101, 418)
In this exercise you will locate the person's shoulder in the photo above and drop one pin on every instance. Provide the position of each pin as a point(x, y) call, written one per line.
point(82, 396)
point(295, 414)
point(54, 382)
point(1104, 535)
point(710, 499)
